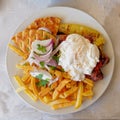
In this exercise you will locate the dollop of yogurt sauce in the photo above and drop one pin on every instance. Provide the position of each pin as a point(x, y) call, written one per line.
point(78, 56)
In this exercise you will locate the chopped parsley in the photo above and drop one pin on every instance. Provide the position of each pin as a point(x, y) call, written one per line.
point(42, 82)
point(56, 58)
point(42, 64)
point(52, 67)
point(39, 76)
point(41, 48)
point(62, 70)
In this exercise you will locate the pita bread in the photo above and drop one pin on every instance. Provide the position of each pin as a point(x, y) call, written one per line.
point(51, 23)
point(24, 39)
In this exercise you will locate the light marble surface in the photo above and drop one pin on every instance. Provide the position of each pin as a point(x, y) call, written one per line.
point(14, 12)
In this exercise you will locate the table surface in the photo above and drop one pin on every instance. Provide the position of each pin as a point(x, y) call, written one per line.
point(14, 12)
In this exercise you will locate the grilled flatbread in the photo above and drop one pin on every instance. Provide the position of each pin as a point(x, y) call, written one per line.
point(51, 23)
point(24, 39)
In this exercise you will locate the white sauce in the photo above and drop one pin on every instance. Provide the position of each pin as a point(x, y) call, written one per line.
point(78, 56)
point(46, 75)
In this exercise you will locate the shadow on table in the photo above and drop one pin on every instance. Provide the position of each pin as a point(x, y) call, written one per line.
point(112, 26)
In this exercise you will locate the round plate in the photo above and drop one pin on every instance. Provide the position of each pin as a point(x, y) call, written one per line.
point(68, 15)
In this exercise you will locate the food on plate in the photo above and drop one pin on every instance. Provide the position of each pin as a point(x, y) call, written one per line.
point(50, 24)
point(60, 61)
point(24, 39)
point(93, 35)
point(78, 56)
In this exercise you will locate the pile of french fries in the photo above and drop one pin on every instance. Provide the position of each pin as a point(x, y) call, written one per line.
point(62, 93)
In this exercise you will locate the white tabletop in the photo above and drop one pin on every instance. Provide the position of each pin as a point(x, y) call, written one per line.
point(14, 12)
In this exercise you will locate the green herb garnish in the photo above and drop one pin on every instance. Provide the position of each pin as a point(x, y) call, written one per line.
point(42, 82)
point(62, 70)
point(56, 58)
point(42, 64)
point(39, 76)
point(41, 48)
point(52, 67)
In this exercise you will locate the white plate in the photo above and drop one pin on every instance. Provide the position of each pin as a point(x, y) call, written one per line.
point(68, 15)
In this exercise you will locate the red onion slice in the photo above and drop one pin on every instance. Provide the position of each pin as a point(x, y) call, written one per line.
point(55, 50)
point(42, 42)
point(43, 57)
point(51, 42)
point(52, 63)
point(45, 29)
point(48, 46)
point(52, 81)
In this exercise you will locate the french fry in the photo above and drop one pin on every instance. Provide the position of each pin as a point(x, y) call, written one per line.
point(51, 71)
point(26, 68)
point(19, 81)
point(59, 101)
point(74, 96)
point(26, 78)
point(70, 91)
point(59, 88)
point(18, 51)
point(61, 95)
point(79, 95)
point(87, 93)
point(63, 105)
point(58, 74)
point(27, 91)
point(30, 94)
point(68, 85)
point(62, 84)
point(47, 99)
point(88, 87)
point(44, 92)
point(33, 84)
point(55, 94)
point(71, 84)
point(20, 89)
point(66, 75)
point(54, 85)
point(27, 81)
point(89, 82)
